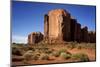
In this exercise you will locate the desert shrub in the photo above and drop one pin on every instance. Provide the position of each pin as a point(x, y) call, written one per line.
point(31, 48)
point(29, 55)
point(72, 45)
point(49, 51)
point(81, 56)
point(16, 51)
point(37, 53)
point(79, 47)
point(43, 50)
point(90, 45)
point(18, 58)
point(56, 53)
point(35, 57)
point(44, 57)
point(62, 50)
point(25, 61)
point(65, 55)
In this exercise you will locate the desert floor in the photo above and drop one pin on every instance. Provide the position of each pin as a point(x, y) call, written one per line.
point(53, 53)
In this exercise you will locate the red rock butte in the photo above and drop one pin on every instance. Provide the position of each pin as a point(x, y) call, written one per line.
point(59, 26)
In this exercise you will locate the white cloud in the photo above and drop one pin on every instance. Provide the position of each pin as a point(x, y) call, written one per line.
point(19, 39)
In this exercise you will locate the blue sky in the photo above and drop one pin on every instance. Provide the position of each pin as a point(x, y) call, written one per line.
point(28, 17)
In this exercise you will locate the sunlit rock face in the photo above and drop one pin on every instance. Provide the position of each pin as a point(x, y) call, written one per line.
point(57, 25)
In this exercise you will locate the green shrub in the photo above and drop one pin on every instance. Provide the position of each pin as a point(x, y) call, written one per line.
point(56, 53)
point(81, 56)
point(79, 47)
point(65, 55)
point(62, 50)
point(31, 48)
point(35, 57)
point(25, 61)
point(29, 55)
point(16, 51)
point(49, 51)
point(44, 57)
point(72, 45)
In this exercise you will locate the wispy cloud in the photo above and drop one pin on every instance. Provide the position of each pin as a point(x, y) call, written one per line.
point(19, 39)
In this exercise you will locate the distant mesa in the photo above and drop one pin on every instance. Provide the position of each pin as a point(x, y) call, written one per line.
point(60, 26)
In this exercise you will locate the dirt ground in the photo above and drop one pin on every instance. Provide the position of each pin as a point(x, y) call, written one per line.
point(89, 51)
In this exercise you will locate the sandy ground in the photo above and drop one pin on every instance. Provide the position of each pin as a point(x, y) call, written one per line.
point(90, 52)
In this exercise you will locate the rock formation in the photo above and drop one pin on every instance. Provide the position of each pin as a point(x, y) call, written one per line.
point(75, 30)
point(35, 37)
point(84, 34)
point(59, 26)
point(92, 37)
